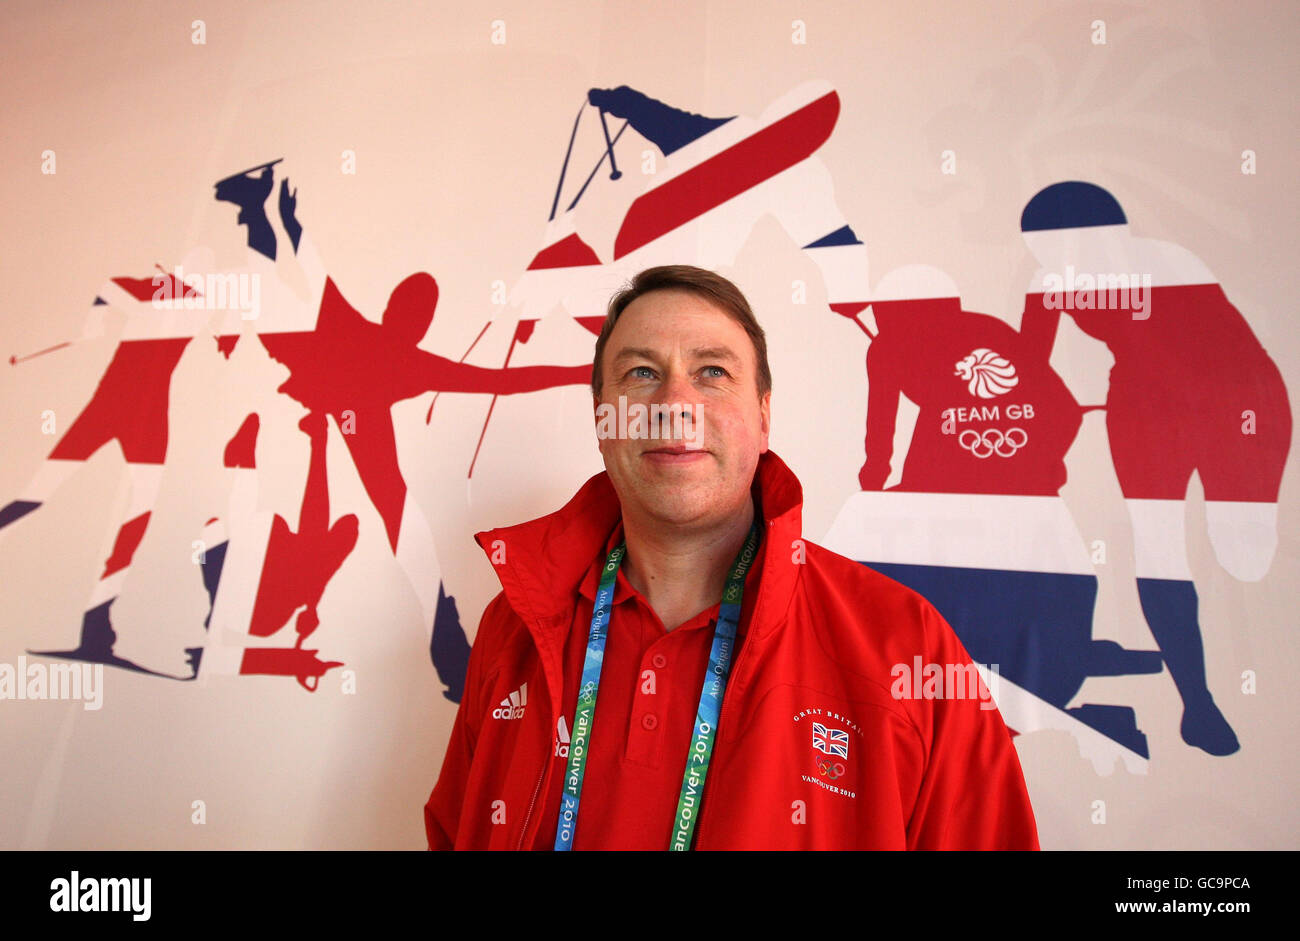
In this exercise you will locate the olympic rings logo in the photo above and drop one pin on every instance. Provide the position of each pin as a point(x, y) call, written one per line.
point(992, 441)
point(831, 769)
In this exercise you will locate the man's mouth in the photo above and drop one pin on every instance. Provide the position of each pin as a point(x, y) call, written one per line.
point(676, 449)
point(675, 454)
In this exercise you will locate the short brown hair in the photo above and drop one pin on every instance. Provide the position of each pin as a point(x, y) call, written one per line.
point(700, 282)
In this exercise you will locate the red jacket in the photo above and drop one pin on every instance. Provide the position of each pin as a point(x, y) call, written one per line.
point(825, 668)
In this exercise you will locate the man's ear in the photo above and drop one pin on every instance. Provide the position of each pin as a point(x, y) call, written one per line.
point(765, 418)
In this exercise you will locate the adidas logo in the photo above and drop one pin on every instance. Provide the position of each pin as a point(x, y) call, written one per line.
point(562, 739)
point(512, 707)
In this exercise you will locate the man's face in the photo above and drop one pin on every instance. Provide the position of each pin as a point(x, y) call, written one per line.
point(674, 349)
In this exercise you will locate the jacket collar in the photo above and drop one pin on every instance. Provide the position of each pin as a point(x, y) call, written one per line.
point(542, 563)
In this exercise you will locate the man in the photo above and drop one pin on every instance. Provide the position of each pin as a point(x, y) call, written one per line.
point(616, 699)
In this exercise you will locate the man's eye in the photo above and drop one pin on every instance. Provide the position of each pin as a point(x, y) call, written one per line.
point(721, 372)
point(633, 370)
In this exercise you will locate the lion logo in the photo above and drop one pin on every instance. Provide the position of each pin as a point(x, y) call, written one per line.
point(986, 373)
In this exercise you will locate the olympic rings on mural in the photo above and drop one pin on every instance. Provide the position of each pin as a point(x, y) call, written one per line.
point(993, 441)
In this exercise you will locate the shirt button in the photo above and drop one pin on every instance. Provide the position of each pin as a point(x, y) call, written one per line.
point(659, 660)
point(649, 722)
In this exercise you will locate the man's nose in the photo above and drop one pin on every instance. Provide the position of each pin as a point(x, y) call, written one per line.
point(675, 399)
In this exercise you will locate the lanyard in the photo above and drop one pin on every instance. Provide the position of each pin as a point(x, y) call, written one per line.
point(706, 715)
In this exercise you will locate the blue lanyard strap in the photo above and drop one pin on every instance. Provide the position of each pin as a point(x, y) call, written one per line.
point(706, 714)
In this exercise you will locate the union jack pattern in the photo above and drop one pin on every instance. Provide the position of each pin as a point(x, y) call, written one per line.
point(830, 741)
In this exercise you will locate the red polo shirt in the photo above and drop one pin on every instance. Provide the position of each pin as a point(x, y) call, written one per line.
point(650, 685)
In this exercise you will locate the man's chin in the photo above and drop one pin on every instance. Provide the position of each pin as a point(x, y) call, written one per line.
point(674, 504)
point(669, 518)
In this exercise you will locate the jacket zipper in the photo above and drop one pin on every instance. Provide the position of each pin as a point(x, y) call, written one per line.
point(745, 649)
point(547, 756)
point(737, 672)
point(531, 804)
point(537, 788)
point(722, 724)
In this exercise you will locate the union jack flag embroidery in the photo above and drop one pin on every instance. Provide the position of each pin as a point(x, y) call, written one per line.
point(830, 741)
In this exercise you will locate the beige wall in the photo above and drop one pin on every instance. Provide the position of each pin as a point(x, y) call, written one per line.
point(457, 142)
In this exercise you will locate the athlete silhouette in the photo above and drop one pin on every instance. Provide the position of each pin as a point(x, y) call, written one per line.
point(1192, 389)
point(1003, 562)
point(993, 418)
point(355, 371)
